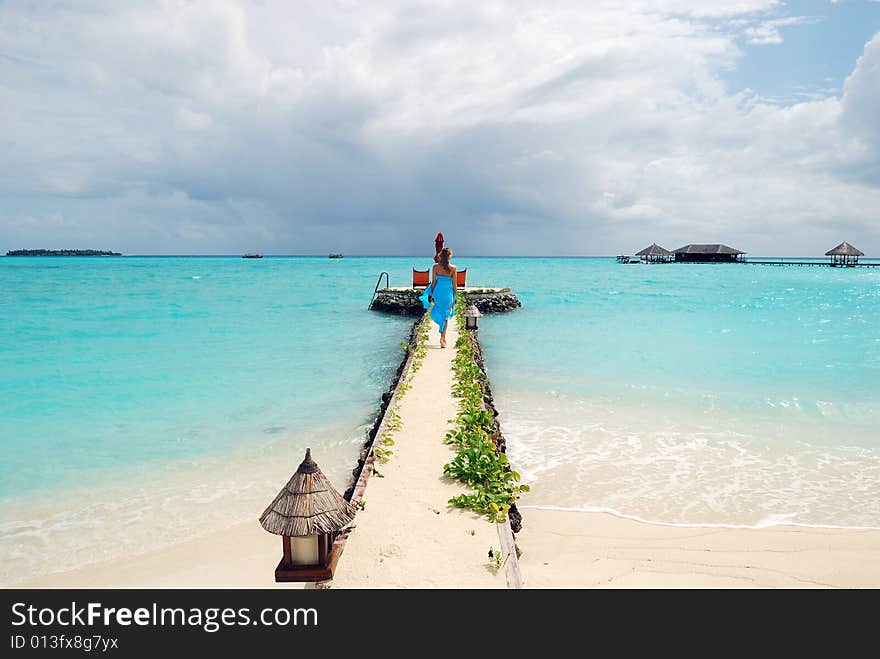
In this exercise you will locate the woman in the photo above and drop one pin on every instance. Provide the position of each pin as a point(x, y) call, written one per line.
point(443, 290)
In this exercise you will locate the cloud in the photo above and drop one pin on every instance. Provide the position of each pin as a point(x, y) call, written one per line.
point(767, 32)
point(860, 108)
point(221, 127)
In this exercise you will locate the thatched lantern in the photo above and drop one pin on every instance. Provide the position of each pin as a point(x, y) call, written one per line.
point(470, 317)
point(308, 514)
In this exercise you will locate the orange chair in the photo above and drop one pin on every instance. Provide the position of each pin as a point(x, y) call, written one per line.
point(459, 278)
point(421, 278)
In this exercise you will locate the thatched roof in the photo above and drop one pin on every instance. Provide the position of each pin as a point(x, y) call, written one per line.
point(307, 505)
point(472, 311)
point(654, 250)
point(844, 249)
point(707, 249)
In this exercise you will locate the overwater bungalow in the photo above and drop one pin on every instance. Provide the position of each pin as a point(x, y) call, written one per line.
point(844, 254)
point(656, 254)
point(708, 254)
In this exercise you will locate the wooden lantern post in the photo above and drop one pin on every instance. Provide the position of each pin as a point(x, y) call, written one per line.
point(470, 317)
point(308, 514)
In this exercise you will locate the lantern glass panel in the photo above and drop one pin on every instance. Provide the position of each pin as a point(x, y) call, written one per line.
point(304, 550)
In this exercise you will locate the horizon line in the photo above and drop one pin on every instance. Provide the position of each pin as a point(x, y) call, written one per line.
point(394, 256)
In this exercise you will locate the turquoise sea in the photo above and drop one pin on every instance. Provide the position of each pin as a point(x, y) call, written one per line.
point(692, 394)
point(145, 399)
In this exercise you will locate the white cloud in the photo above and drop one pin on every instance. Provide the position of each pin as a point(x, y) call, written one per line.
point(767, 32)
point(222, 126)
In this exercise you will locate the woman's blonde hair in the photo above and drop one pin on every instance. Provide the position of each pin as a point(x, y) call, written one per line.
point(443, 259)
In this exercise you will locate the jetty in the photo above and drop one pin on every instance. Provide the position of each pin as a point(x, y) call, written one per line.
point(824, 264)
point(406, 533)
point(842, 256)
point(404, 300)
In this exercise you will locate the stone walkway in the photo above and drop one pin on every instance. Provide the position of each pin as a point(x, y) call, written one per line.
point(407, 536)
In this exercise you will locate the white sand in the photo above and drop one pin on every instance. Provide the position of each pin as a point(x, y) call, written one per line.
point(243, 556)
point(598, 550)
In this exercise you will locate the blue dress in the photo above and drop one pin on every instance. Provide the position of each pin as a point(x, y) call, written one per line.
point(443, 300)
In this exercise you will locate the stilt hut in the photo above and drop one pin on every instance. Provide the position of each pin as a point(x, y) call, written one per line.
point(844, 254)
point(655, 254)
point(707, 254)
point(308, 514)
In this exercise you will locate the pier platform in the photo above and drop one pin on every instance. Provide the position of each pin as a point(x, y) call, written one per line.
point(404, 300)
point(821, 263)
point(407, 535)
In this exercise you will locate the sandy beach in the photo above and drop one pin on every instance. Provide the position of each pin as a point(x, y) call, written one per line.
point(241, 556)
point(559, 550)
point(598, 550)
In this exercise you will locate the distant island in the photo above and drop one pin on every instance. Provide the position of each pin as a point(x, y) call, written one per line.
point(60, 252)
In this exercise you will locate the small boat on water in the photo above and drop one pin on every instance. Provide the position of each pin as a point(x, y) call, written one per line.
point(335, 255)
point(623, 259)
point(252, 256)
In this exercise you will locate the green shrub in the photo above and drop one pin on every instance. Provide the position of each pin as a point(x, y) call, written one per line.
point(478, 463)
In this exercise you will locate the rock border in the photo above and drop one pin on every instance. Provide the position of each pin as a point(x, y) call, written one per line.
point(361, 473)
point(405, 302)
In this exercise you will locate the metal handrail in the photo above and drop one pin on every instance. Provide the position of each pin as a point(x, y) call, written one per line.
point(376, 290)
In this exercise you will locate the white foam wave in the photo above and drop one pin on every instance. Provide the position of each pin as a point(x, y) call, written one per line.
point(664, 466)
point(768, 522)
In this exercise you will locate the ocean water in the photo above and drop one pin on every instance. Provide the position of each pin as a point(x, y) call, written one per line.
point(734, 395)
point(147, 400)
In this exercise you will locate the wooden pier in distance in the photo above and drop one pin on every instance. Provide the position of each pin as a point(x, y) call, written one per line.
point(821, 263)
point(825, 264)
point(842, 256)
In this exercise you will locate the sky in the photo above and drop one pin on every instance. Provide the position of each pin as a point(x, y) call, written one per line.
point(516, 128)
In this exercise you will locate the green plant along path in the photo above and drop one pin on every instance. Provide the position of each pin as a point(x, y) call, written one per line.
point(478, 463)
